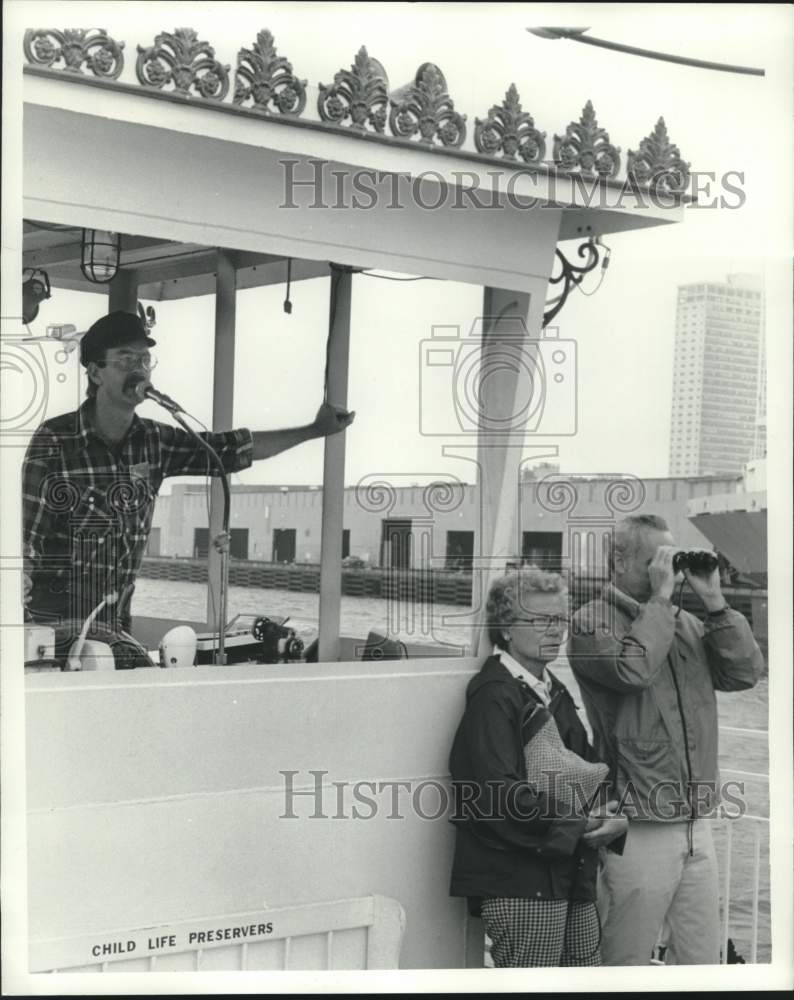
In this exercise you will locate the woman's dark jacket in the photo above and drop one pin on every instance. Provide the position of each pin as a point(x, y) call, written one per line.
point(513, 840)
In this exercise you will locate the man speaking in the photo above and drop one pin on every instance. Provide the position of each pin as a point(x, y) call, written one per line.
point(91, 477)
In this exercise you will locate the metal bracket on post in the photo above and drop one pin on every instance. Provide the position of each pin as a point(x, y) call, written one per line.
point(572, 275)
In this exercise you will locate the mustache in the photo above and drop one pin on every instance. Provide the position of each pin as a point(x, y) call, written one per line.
point(134, 379)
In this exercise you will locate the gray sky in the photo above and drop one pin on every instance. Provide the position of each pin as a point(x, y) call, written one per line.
point(624, 333)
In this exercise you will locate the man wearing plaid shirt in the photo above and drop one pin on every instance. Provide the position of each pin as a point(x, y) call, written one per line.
point(91, 477)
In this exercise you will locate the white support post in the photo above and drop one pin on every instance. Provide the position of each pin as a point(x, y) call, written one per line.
point(511, 321)
point(222, 413)
point(334, 469)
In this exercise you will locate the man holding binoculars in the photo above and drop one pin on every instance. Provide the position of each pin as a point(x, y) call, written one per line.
point(648, 672)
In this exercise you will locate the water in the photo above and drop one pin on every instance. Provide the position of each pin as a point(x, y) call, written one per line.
point(423, 625)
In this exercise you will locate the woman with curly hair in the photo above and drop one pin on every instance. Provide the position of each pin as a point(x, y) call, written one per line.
point(526, 781)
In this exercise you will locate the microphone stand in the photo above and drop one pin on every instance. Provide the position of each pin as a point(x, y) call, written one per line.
point(221, 542)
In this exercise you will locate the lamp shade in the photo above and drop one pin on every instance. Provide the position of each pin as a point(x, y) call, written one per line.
point(101, 252)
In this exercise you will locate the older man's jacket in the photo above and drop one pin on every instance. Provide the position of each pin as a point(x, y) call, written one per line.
point(648, 675)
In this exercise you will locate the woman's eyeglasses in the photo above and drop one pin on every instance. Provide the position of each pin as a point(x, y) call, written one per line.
point(544, 622)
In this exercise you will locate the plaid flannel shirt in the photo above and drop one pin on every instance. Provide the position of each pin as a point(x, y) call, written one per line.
point(88, 507)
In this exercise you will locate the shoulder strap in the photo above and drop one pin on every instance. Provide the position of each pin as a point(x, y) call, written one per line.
point(533, 719)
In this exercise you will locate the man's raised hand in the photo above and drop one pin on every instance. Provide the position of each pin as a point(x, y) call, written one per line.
point(660, 572)
point(707, 588)
point(332, 419)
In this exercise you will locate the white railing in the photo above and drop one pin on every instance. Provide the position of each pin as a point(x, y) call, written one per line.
point(759, 824)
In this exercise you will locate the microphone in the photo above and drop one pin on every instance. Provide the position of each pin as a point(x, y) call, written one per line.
point(145, 390)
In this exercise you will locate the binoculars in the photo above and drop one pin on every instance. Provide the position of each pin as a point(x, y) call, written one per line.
point(699, 563)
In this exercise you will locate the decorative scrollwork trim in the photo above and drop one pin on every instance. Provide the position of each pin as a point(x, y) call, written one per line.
point(427, 109)
point(180, 60)
point(360, 94)
point(586, 147)
point(102, 54)
point(511, 131)
point(267, 80)
point(658, 163)
point(180, 65)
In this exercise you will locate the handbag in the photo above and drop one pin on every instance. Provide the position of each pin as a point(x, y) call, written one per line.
point(563, 775)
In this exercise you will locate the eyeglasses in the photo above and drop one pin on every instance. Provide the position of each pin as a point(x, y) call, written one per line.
point(129, 362)
point(543, 622)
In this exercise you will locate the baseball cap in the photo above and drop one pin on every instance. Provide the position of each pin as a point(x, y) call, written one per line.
point(114, 330)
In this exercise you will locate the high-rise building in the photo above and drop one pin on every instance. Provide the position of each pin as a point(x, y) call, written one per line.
point(717, 376)
point(759, 446)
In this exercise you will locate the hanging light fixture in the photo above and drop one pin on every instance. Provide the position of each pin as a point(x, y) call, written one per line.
point(35, 288)
point(100, 253)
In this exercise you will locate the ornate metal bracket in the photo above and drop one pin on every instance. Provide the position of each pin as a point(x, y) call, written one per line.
point(93, 46)
point(510, 130)
point(426, 107)
point(360, 93)
point(267, 79)
point(571, 276)
point(658, 163)
point(182, 60)
point(586, 146)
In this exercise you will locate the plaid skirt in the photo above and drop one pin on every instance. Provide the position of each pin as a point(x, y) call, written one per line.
point(542, 932)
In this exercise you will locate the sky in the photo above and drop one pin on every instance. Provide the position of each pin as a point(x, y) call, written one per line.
point(624, 332)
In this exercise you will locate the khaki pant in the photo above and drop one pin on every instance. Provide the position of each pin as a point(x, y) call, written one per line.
point(666, 875)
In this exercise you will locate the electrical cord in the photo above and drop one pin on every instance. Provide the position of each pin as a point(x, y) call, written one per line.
point(594, 290)
point(337, 270)
point(386, 277)
point(287, 301)
point(604, 266)
point(214, 457)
